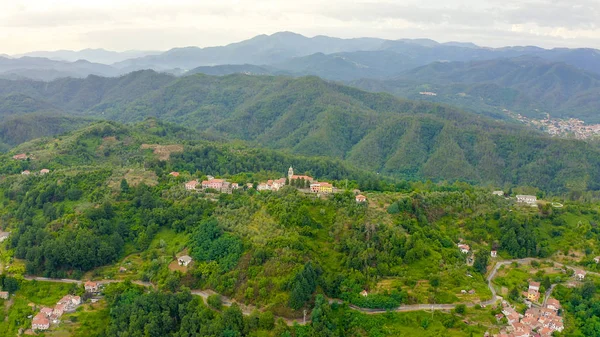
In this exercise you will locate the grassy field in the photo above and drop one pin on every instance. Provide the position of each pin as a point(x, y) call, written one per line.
point(31, 296)
point(422, 323)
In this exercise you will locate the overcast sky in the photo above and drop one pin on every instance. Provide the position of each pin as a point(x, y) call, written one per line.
point(28, 25)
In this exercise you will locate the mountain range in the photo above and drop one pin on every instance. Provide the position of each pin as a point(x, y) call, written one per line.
point(312, 117)
point(531, 81)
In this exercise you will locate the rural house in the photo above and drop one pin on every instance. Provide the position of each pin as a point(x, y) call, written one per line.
point(527, 199)
point(191, 185)
point(91, 287)
point(184, 260)
point(40, 322)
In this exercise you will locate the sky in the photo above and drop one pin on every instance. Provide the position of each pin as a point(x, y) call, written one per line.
point(30, 25)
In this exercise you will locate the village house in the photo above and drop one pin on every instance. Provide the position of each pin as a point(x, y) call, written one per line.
point(364, 293)
point(498, 193)
point(26, 173)
point(4, 295)
point(44, 171)
point(21, 156)
point(533, 293)
point(321, 188)
point(235, 186)
point(46, 311)
point(216, 184)
point(91, 287)
point(4, 236)
point(553, 304)
point(69, 303)
point(40, 322)
point(184, 260)
point(494, 253)
point(527, 199)
point(361, 198)
point(464, 248)
point(580, 275)
point(58, 311)
point(191, 185)
point(271, 185)
point(174, 174)
point(597, 259)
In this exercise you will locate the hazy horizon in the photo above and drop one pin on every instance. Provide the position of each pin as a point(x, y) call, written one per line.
point(43, 25)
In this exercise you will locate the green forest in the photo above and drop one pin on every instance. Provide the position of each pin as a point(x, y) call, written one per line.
point(313, 118)
point(109, 209)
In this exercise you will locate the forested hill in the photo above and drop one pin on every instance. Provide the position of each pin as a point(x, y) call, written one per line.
point(309, 116)
point(528, 85)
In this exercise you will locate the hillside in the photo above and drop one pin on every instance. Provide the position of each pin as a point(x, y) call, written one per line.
point(530, 86)
point(20, 129)
point(308, 116)
point(109, 209)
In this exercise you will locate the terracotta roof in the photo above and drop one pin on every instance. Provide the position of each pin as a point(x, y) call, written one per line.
point(40, 319)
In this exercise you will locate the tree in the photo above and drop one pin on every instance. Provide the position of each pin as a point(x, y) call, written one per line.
point(514, 294)
point(10, 284)
point(124, 186)
point(481, 261)
point(233, 319)
point(460, 309)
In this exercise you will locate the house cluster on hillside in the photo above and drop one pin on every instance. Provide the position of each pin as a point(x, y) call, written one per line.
point(42, 172)
point(536, 321)
point(48, 316)
point(220, 185)
point(299, 181)
point(271, 185)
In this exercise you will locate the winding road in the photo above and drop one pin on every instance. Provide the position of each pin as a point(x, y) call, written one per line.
point(248, 309)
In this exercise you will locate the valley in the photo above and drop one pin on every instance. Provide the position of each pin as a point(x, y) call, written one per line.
point(292, 186)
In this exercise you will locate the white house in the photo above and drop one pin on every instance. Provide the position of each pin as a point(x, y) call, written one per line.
point(498, 193)
point(361, 198)
point(494, 253)
point(535, 286)
point(527, 199)
point(184, 260)
point(464, 248)
point(580, 275)
point(596, 259)
point(4, 236)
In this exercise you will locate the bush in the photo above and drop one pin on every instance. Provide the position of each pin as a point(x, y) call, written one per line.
point(215, 302)
point(461, 309)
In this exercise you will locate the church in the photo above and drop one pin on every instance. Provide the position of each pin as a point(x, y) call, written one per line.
point(292, 176)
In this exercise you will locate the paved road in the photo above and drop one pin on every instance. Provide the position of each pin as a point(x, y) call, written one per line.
point(247, 309)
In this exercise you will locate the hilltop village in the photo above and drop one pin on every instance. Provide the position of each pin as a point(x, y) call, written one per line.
point(303, 183)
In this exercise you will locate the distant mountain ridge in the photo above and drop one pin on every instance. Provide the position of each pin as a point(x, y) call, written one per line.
point(39, 68)
point(92, 55)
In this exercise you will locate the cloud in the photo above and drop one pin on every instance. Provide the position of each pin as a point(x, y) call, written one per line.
point(155, 24)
